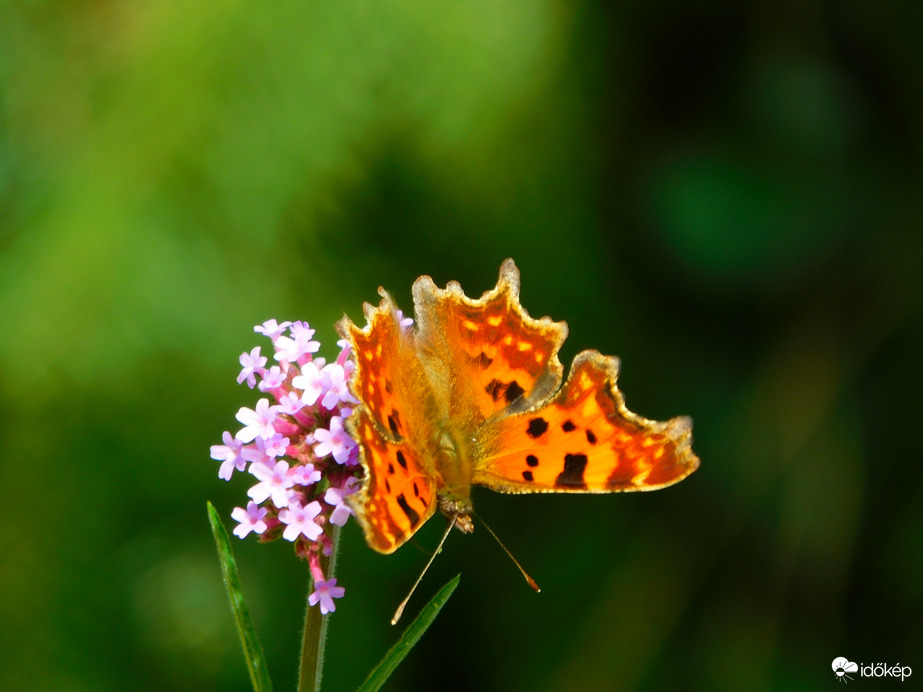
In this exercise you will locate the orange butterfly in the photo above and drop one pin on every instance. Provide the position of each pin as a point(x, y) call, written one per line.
point(473, 395)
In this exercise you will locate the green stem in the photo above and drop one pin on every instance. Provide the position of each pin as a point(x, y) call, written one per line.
point(315, 628)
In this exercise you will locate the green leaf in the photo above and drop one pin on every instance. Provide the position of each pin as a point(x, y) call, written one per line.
point(253, 652)
point(411, 635)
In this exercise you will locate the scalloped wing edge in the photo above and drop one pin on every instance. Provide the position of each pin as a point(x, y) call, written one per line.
point(678, 431)
point(426, 293)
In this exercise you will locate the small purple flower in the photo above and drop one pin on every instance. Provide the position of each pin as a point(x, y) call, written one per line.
point(334, 441)
point(335, 384)
point(274, 483)
point(250, 519)
point(257, 422)
point(300, 522)
point(353, 459)
point(311, 381)
point(336, 498)
point(300, 326)
point(272, 329)
point(290, 403)
point(304, 475)
point(230, 454)
point(276, 445)
point(349, 367)
point(324, 592)
point(272, 379)
point(300, 343)
point(252, 364)
point(256, 453)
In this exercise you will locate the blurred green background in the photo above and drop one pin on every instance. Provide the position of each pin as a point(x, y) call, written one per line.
point(725, 195)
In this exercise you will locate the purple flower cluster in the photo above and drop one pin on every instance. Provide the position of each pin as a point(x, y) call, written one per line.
point(296, 448)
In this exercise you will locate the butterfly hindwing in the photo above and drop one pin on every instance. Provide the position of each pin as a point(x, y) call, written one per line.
point(399, 495)
point(583, 440)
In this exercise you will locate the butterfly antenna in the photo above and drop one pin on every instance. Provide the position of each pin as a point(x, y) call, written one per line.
point(400, 608)
point(529, 580)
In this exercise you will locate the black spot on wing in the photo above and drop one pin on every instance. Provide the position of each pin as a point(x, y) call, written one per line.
point(412, 515)
point(512, 392)
point(537, 427)
point(527, 476)
point(509, 391)
point(532, 460)
point(572, 475)
point(394, 422)
point(568, 426)
point(401, 460)
point(590, 437)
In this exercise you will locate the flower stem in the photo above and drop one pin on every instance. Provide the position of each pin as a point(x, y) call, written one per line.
point(315, 628)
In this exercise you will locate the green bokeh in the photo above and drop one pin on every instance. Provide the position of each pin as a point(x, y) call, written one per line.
point(725, 197)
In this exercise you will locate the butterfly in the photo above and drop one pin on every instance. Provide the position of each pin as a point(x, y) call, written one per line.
point(473, 394)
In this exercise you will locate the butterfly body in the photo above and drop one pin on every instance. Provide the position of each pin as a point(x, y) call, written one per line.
point(473, 394)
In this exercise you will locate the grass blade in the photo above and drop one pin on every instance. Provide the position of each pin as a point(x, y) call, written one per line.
point(253, 652)
point(411, 635)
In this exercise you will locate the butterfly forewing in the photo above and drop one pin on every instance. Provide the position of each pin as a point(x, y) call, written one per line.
point(384, 360)
point(488, 351)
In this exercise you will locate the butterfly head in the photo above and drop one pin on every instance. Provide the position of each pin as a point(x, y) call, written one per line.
point(459, 509)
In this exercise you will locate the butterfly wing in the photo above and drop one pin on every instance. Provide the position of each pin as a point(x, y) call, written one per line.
point(583, 439)
point(488, 353)
point(398, 494)
point(392, 427)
